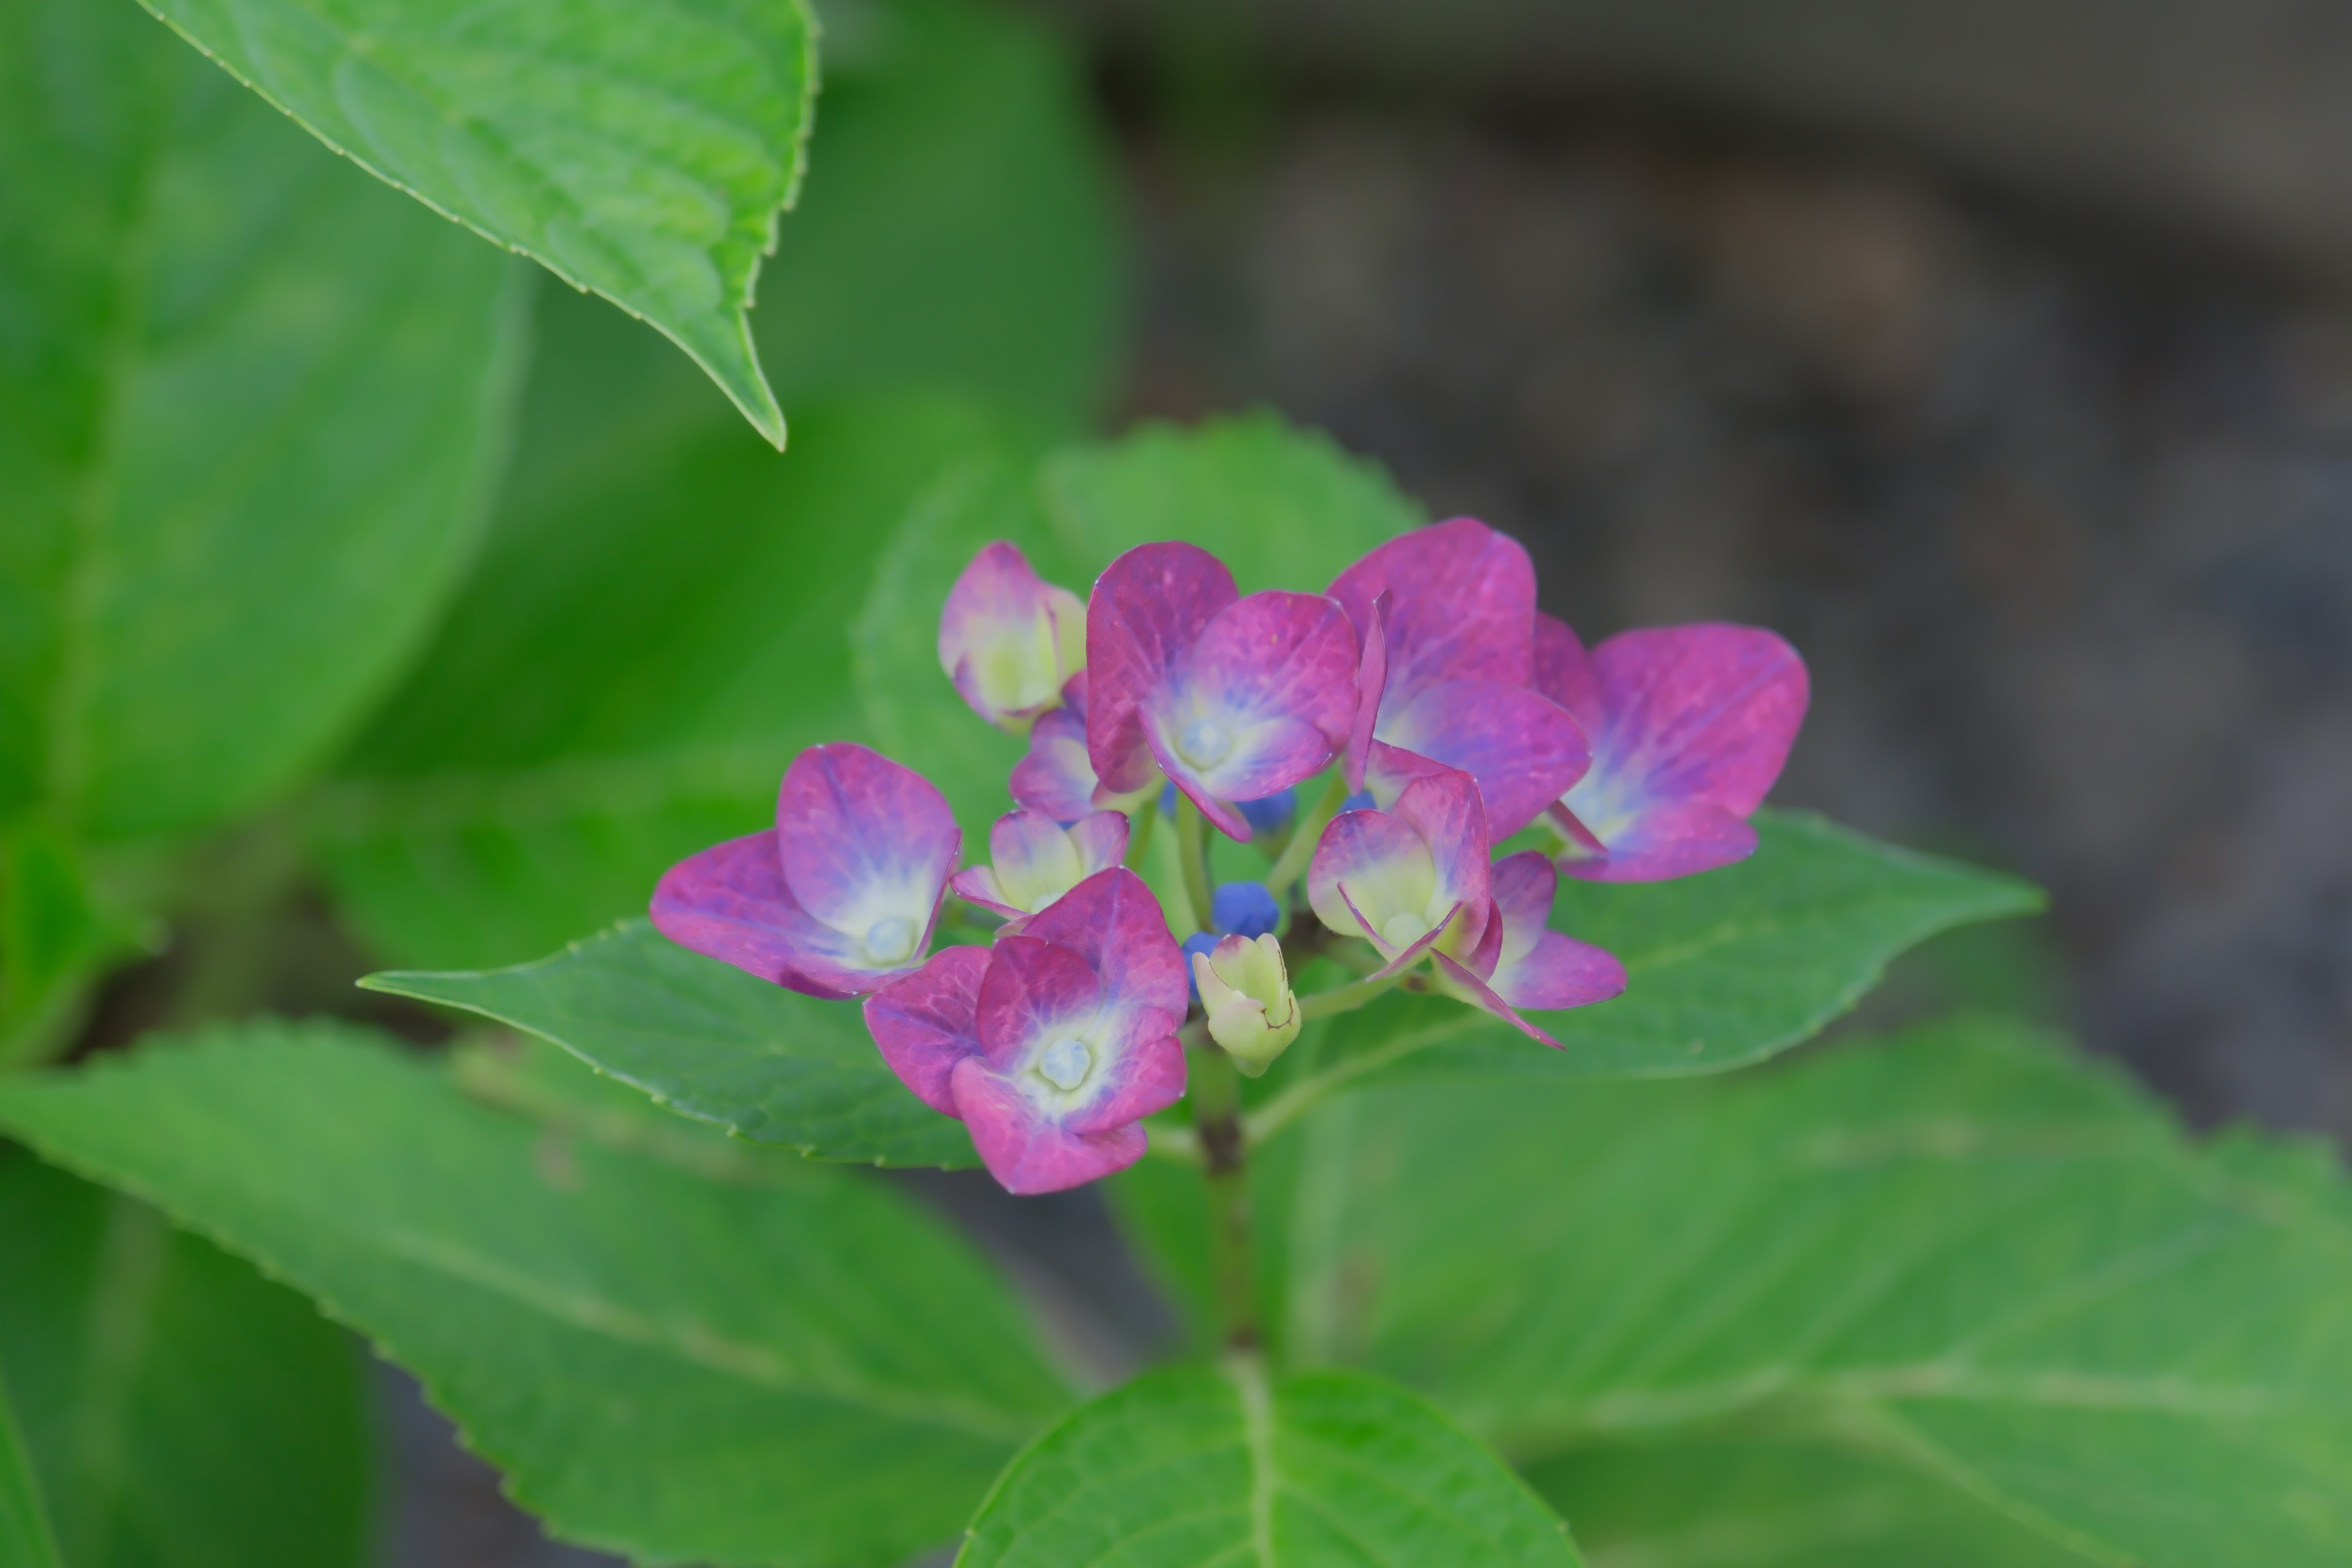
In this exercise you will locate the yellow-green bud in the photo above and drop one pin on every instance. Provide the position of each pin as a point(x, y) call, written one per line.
point(1246, 990)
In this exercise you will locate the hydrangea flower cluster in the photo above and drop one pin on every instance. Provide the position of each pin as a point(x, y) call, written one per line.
point(1451, 715)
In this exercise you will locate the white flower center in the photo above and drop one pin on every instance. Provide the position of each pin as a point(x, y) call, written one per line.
point(1066, 1063)
point(888, 940)
point(1204, 743)
point(1403, 929)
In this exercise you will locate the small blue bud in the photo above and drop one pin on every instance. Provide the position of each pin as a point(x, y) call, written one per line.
point(1167, 798)
point(1199, 941)
point(1244, 909)
point(1359, 801)
point(1271, 815)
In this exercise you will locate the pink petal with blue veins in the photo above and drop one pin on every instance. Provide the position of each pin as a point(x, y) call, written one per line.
point(1266, 698)
point(1112, 921)
point(731, 902)
point(1465, 984)
point(1463, 605)
point(1689, 728)
point(1557, 973)
point(1026, 1151)
point(1008, 639)
point(867, 846)
point(1522, 747)
point(925, 1022)
point(1147, 611)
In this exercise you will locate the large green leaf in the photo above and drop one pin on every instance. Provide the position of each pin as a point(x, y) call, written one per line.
point(802, 1370)
point(712, 1042)
point(249, 402)
point(1752, 1503)
point(1329, 1470)
point(179, 1410)
point(1285, 508)
point(26, 1539)
point(625, 683)
point(640, 150)
point(1966, 1250)
point(1722, 969)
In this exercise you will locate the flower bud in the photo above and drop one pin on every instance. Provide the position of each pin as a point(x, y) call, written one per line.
point(1246, 992)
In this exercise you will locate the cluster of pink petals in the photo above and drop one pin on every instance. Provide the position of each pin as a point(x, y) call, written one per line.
point(1051, 1044)
point(1426, 670)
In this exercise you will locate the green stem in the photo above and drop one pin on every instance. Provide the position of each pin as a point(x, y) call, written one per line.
point(1217, 1119)
point(1139, 844)
point(1192, 850)
point(1307, 834)
point(1345, 998)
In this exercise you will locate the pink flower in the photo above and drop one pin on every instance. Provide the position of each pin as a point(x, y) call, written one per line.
point(1051, 1044)
point(1524, 964)
point(1008, 639)
point(1445, 620)
point(1232, 698)
point(1689, 727)
point(1057, 777)
point(1034, 860)
point(836, 900)
point(1410, 880)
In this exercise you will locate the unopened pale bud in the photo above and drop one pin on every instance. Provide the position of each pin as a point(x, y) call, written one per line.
point(1246, 992)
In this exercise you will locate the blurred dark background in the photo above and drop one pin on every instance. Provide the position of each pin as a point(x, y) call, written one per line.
point(1999, 355)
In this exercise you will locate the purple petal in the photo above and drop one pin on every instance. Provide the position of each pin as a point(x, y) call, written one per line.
point(1525, 885)
point(1379, 855)
point(1521, 747)
point(1026, 1151)
point(1034, 992)
point(1563, 673)
point(1444, 809)
point(1371, 680)
point(1478, 993)
point(1463, 608)
point(1147, 611)
point(730, 903)
point(1009, 639)
point(925, 1023)
point(1266, 699)
point(864, 841)
point(1112, 921)
point(1101, 838)
point(1695, 723)
point(1559, 972)
point(1663, 842)
point(978, 885)
point(1143, 1073)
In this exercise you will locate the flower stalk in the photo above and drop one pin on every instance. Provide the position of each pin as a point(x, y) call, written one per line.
point(1217, 1122)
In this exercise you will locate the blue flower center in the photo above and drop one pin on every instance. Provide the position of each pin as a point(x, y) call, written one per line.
point(1066, 1063)
point(888, 940)
point(1204, 743)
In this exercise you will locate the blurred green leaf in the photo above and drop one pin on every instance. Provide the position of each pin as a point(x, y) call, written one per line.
point(26, 1539)
point(808, 1371)
point(1752, 1503)
point(1284, 507)
point(1966, 1249)
point(54, 936)
point(1190, 1466)
point(1722, 969)
point(641, 154)
point(249, 404)
point(179, 1410)
point(625, 683)
point(712, 1042)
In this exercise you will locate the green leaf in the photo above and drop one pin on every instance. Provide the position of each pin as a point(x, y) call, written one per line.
point(1722, 969)
point(1966, 1250)
point(625, 682)
point(1191, 1466)
point(1751, 1503)
point(642, 153)
point(249, 401)
point(55, 937)
point(1285, 508)
point(711, 1041)
point(806, 1372)
point(179, 1411)
point(26, 1539)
